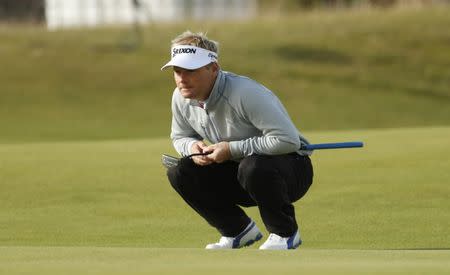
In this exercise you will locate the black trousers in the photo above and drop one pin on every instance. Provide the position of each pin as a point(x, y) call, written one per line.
point(217, 191)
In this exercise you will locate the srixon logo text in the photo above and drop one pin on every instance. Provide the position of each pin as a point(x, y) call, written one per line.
point(184, 50)
point(212, 56)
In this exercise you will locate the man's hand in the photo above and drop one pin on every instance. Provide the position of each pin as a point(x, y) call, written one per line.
point(220, 152)
point(200, 147)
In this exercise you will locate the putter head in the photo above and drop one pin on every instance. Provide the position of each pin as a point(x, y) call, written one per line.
point(169, 161)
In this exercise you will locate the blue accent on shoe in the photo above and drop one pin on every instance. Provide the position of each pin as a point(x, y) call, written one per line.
point(238, 238)
point(291, 244)
point(257, 238)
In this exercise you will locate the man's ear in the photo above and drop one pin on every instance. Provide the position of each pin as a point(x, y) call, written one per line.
point(215, 66)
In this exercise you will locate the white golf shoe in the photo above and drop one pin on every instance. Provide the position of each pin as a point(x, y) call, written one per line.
point(247, 237)
point(275, 242)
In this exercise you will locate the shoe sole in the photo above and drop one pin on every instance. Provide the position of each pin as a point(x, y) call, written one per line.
point(250, 242)
point(295, 246)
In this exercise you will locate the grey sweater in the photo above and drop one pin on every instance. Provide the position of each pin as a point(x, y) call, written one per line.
point(239, 110)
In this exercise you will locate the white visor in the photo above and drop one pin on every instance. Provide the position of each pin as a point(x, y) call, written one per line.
point(190, 57)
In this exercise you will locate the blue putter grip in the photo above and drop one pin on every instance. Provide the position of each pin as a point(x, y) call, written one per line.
point(335, 145)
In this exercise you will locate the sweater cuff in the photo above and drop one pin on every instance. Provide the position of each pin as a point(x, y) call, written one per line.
point(235, 150)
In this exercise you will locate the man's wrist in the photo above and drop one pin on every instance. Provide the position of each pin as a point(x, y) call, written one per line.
point(191, 146)
point(235, 150)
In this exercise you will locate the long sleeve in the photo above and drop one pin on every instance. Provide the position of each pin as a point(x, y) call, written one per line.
point(266, 113)
point(182, 134)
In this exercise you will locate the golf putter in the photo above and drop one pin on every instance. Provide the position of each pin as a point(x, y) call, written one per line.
point(170, 161)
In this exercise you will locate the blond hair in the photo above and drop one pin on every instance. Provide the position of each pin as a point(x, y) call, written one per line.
point(198, 39)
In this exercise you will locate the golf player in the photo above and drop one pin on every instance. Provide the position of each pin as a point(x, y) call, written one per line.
point(253, 154)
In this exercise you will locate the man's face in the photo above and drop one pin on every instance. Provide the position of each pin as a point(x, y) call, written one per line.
point(196, 84)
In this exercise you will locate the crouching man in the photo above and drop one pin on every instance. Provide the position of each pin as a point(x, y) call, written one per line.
point(254, 156)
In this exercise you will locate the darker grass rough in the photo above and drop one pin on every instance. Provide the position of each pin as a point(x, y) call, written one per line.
point(332, 69)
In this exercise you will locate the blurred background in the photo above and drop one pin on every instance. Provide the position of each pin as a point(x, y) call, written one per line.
point(89, 69)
